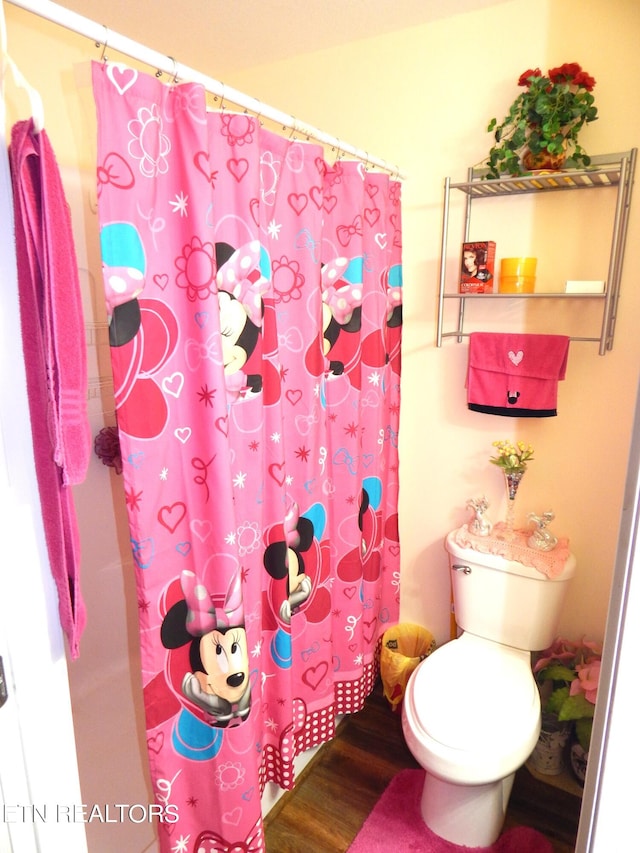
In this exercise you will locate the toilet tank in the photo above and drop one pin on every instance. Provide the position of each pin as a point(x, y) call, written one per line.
point(505, 600)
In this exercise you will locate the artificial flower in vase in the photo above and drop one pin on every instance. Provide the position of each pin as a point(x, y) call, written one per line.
point(541, 129)
point(512, 459)
point(568, 675)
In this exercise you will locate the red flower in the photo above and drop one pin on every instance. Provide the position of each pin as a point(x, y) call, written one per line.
point(565, 73)
point(583, 79)
point(523, 80)
point(572, 73)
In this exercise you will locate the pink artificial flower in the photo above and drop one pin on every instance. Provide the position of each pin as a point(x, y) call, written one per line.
point(587, 681)
point(561, 651)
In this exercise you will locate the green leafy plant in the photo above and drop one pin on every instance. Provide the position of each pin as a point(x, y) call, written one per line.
point(545, 118)
point(512, 458)
point(568, 675)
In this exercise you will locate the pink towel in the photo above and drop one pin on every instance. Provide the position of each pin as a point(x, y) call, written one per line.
point(53, 342)
point(516, 375)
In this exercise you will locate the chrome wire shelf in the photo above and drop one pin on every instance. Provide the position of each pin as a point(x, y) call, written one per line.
point(606, 171)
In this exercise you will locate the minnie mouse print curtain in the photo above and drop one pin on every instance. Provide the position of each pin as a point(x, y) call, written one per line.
point(254, 295)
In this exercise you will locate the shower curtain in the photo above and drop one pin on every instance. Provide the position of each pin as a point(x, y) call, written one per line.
point(254, 295)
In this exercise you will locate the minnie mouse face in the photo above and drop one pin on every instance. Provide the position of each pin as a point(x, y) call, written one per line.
point(224, 661)
point(219, 679)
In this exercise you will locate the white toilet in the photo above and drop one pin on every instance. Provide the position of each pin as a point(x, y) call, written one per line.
point(471, 710)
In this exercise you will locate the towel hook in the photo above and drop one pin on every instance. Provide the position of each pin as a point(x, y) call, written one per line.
point(35, 101)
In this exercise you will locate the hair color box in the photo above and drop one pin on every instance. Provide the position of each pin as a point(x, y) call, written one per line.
point(477, 267)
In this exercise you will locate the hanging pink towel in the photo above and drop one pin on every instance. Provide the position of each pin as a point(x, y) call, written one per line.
point(53, 341)
point(516, 375)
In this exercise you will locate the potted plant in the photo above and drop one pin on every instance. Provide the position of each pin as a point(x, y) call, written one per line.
point(541, 129)
point(568, 674)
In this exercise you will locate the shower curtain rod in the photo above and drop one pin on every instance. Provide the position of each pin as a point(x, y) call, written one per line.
point(102, 35)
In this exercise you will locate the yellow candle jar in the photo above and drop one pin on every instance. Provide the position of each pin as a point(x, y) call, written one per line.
point(517, 275)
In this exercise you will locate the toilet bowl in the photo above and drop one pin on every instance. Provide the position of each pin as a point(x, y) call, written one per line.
point(471, 717)
point(471, 710)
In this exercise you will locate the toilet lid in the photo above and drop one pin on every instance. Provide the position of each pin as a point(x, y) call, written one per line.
point(468, 694)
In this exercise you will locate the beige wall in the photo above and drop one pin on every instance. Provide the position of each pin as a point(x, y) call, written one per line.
point(421, 98)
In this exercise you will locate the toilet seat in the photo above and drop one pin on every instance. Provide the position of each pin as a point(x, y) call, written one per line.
point(474, 695)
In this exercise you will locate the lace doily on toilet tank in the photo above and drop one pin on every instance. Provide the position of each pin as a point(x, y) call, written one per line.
point(550, 563)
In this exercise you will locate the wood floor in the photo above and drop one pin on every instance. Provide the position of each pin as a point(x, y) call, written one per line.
point(338, 789)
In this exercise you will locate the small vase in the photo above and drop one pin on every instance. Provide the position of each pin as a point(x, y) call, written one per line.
point(548, 754)
point(512, 481)
point(578, 758)
point(543, 161)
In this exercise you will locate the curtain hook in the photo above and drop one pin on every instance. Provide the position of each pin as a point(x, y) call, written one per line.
point(103, 58)
point(293, 127)
point(222, 98)
point(175, 70)
point(257, 113)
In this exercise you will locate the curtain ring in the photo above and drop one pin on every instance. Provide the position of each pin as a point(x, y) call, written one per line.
point(103, 58)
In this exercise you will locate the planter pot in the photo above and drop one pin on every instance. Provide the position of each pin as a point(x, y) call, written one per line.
point(578, 758)
point(544, 160)
point(548, 756)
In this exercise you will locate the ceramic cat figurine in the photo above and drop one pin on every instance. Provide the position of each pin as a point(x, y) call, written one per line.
point(541, 538)
point(480, 525)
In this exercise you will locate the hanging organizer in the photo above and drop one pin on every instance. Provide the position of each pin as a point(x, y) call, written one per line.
point(607, 172)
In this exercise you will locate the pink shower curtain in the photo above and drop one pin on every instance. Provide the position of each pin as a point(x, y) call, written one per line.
point(254, 295)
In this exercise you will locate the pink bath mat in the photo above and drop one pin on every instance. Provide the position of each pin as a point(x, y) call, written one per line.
point(396, 824)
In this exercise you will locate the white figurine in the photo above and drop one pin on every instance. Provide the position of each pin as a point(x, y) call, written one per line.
point(541, 538)
point(480, 525)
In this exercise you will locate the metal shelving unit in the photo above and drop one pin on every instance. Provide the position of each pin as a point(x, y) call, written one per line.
point(607, 171)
